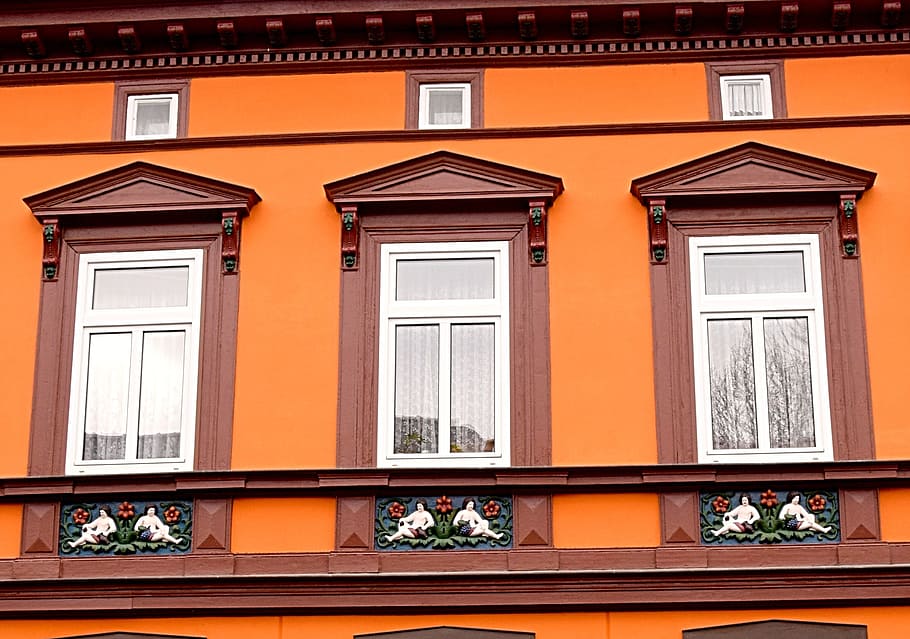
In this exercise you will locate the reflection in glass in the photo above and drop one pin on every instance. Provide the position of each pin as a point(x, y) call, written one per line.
point(754, 273)
point(141, 287)
point(153, 117)
point(790, 411)
point(445, 107)
point(161, 394)
point(472, 388)
point(107, 396)
point(416, 389)
point(732, 380)
point(453, 279)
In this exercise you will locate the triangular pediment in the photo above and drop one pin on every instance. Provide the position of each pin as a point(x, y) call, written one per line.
point(448, 632)
point(753, 169)
point(443, 176)
point(139, 188)
point(779, 628)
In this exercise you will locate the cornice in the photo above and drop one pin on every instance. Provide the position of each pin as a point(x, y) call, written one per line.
point(549, 479)
point(56, 41)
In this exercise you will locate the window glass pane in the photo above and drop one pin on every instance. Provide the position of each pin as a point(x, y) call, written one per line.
point(732, 384)
point(107, 396)
point(745, 98)
point(473, 410)
point(153, 117)
point(456, 279)
point(445, 106)
point(790, 412)
point(141, 287)
point(161, 394)
point(416, 389)
point(766, 272)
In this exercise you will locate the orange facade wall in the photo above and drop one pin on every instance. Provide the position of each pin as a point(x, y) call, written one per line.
point(307, 525)
point(592, 521)
point(893, 506)
point(859, 85)
point(601, 357)
point(56, 113)
point(11, 521)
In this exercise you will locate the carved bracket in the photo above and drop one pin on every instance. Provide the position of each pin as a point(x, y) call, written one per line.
point(537, 232)
point(657, 230)
point(350, 238)
point(50, 261)
point(849, 230)
point(230, 242)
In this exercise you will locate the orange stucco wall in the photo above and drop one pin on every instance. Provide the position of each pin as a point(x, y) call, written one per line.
point(892, 507)
point(307, 525)
point(56, 113)
point(590, 521)
point(10, 523)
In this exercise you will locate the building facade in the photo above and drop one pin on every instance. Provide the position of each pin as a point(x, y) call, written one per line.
point(400, 320)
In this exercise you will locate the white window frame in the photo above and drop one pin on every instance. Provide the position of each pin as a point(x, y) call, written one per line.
point(394, 313)
point(136, 320)
point(132, 110)
point(763, 79)
point(809, 304)
point(423, 104)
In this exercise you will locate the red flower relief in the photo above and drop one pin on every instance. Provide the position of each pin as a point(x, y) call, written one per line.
point(769, 499)
point(720, 504)
point(817, 503)
point(126, 510)
point(172, 515)
point(80, 516)
point(443, 505)
point(396, 510)
point(491, 509)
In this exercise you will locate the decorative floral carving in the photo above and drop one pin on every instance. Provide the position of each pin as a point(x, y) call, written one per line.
point(434, 523)
point(88, 529)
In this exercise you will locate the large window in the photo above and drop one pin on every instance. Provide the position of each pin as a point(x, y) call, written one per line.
point(135, 363)
point(758, 322)
point(444, 353)
point(759, 348)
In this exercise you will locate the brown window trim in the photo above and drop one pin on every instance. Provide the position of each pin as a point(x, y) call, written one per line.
point(774, 68)
point(125, 88)
point(756, 189)
point(414, 79)
point(138, 207)
point(414, 202)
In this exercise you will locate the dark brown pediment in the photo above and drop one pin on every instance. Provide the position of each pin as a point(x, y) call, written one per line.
point(140, 188)
point(753, 169)
point(443, 176)
point(779, 628)
point(448, 632)
point(130, 635)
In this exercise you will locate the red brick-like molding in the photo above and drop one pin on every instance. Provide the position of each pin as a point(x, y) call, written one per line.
point(125, 88)
point(139, 206)
point(755, 189)
point(774, 68)
point(442, 197)
point(413, 80)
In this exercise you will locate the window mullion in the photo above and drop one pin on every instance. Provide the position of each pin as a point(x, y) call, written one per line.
point(132, 429)
point(445, 387)
point(761, 382)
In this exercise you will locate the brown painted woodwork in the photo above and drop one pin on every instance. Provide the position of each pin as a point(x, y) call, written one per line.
point(840, 15)
point(476, 30)
point(631, 22)
point(682, 21)
point(735, 18)
point(846, 222)
point(579, 24)
point(80, 42)
point(139, 206)
point(131, 635)
point(756, 189)
point(537, 232)
point(527, 25)
point(778, 628)
point(439, 197)
point(212, 525)
point(375, 29)
point(859, 512)
point(129, 40)
point(227, 34)
point(774, 69)
point(657, 230)
point(277, 35)
point(891, 14)
point(177, 37)
point(325, 31)
point(123, 90)
point(679, 518)
point(447, 632)
point(50, 260)
point(789, 16)
point(230, 242)
point(354, 519)
point(426, 29)
point(533, 521)
point(413, 80)
point(32, 44)
point(40, 524)
point(350, 237)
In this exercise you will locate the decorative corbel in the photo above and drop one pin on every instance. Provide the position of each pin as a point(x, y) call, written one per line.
point(34, 47)
point(426, 29)
point(580, 24)
point(849, 231)
point(177, 36)
point(230, 242)
point(657, 230)
point(375, 29)
point(840, 15)
point(350, 238)
point(129, 39)
point(274, 30)
point(80, 42)
point(736, 14)
point(789, 16)
point(891, 14)
point(682, 21)
point(527, 25)
point(537, 232)
point(631, 22)
point(227, 34)
point(325, 31)
point(476, 29)
point(50, 260)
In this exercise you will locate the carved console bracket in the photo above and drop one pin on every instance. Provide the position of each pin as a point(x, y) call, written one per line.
point(537, 232)
point(50, 261)
point(849, 231)
point(350, 237)
point(657, 230)
point(230, 242)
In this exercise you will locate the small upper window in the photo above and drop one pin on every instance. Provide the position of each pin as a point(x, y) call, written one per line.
point(445, 106)
point(746, 97)
point(151, 117)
